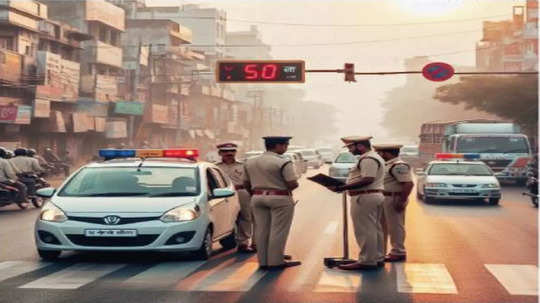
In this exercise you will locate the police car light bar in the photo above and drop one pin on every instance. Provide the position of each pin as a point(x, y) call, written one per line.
point(109, 154)
point(446, 156)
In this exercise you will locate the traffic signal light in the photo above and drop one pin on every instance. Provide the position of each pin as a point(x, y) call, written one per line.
point(349, 72)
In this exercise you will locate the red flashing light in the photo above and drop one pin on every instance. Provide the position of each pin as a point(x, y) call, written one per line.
point(181, 153)
point(447, 156)
point(521, 162)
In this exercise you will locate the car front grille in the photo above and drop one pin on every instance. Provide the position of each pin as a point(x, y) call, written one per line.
point(100, 220)
point(463, 185)
point(140, 240)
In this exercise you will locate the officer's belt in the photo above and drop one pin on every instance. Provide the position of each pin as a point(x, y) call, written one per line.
point(271, 192)
point(389, 193)
point(363, 192)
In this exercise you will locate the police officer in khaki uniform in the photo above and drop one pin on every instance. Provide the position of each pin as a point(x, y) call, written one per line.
point(25, 164)
point(271, 178)
point(398, 185)
point(365, 186)
point(235, 170)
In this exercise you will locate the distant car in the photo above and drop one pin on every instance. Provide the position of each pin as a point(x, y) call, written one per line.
point(313, 159)
point(139, 204)
point(327, 154)
point(297, 162)
point(303, 163)
point(409, 151)
point(458, 180)
point(341, 166)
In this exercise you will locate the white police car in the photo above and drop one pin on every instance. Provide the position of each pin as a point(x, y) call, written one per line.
point(140, 200)
point(458, 177)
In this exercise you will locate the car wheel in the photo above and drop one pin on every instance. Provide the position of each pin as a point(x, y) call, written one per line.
point(229, 242)
point(494, 201)
point(205, 251)
point(49, 255)
point(37, 201)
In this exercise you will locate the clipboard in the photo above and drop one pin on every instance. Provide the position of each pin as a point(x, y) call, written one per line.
point(325, 180)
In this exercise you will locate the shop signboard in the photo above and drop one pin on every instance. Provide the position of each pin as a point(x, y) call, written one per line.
point(42, 108)
point(129, 108)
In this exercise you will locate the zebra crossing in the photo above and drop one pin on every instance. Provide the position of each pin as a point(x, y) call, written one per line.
point(233, 275)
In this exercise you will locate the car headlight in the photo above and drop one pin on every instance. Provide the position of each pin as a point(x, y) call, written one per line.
point(181, 214)
point(52, 213)
point(436, 185)
point(490, 185)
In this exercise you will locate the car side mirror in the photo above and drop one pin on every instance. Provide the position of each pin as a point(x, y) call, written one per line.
point(46, 192)
point(222, 193)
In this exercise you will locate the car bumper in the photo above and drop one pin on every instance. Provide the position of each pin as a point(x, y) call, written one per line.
point(151, 236)
point(436, 193)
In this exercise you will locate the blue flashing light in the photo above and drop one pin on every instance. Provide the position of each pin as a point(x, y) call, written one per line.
point(116, 153)
point(471, 156)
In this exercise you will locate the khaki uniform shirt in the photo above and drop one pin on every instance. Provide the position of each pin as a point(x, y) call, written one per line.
point(235, 171)
point(401, 172)
point(368, 168)
point(6, 171)
point(26, 164)
point(269, 171)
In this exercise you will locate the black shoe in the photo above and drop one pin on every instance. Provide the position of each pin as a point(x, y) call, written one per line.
point(285, 265)
point(287, 257)
point(358, 266)
point(245, 249)
point(263, 267)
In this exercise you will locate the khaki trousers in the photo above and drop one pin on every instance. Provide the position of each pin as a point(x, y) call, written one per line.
point(366, 213)
point(394, 227)
point(273, 215)
point(245, 218)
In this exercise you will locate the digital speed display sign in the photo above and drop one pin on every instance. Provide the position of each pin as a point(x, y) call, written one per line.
point(260, 71)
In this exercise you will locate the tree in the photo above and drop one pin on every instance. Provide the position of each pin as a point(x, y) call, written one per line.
point(513, 98)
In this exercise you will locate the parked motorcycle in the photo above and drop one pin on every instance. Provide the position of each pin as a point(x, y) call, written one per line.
point(33, 182)
point(8, 196)
point(532, 186)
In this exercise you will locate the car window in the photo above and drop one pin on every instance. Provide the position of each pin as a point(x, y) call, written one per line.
point(459, 169)
point(212, 180)
point(346, 158)
point(130, 181)
point(224, 181)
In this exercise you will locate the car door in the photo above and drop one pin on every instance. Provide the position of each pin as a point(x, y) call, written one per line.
point(219, 208)
point(232, 202)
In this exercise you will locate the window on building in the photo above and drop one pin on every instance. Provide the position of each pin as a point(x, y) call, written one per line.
point(102, 34)
point(6, 43)
point(114, 38)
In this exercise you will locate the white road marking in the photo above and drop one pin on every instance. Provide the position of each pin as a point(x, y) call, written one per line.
point(10, 269)
point(74, 276)
point(334, 280)
point(163, 275)
point(516, 279)
point(424, 278)
point(236, 277)
point(312, 265)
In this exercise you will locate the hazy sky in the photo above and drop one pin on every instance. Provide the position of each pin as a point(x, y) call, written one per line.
point(403, 24)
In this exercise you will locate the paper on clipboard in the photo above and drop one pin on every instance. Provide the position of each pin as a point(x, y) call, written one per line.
point(325, 180)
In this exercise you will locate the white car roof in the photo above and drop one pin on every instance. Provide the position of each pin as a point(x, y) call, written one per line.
point(133, 162)
point(457, 161)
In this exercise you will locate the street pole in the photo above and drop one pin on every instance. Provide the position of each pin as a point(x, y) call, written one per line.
point(134, 86)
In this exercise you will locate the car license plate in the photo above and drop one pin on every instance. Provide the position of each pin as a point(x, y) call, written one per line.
point(463, 190)
point(110, 233)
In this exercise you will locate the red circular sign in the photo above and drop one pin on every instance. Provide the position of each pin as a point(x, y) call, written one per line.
point(438, 71)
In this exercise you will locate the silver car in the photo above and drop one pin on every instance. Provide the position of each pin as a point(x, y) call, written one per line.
point(458, 180)
point(342, 165)
point(313, 158)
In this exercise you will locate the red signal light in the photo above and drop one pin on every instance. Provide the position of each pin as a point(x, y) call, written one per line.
point(181, 153)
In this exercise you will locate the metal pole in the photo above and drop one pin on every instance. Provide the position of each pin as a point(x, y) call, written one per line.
point(345, 228)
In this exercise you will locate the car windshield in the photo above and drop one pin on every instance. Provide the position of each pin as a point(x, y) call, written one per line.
point(346, 158)
point(492, 145)
point(130, 181)
point(459, 169)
